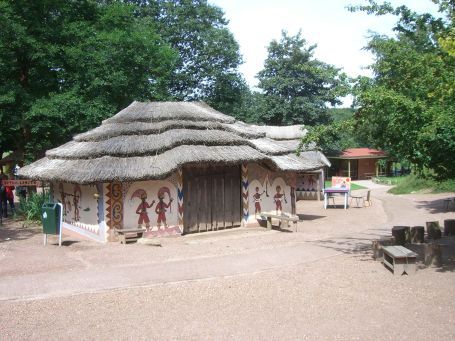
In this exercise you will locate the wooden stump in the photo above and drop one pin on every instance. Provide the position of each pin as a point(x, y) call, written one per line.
point(417, 234)
point(433, 230)
point(378, 244)
point(433, 255)
point(449, 227)
point(401, 234)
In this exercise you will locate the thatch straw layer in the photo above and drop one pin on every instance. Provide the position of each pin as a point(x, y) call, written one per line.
point(162, 111)
point(152, 140)
point(108, 168)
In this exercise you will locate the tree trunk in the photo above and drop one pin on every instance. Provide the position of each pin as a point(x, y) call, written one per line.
point(433, 230)
point(417, 234)
point(449, 227)
point(401, 234)
point(433, 255)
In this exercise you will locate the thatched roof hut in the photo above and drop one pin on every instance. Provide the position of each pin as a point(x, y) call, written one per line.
point(217, 172)
point(151, 140)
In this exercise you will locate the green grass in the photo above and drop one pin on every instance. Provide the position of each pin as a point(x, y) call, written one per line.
point(413, 184)
point(328, 183)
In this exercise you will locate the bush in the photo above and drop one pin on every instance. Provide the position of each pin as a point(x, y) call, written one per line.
point(412, 183)
point(31, 207)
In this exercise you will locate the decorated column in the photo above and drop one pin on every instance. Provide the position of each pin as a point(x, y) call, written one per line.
point(245, 194)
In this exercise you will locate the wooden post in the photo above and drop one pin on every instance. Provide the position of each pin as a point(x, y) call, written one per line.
point(433, 229)
point(349, 168)
point(401, 234)
point(376, 166)
point(433, 255)
point(449, 227)
point(417, 234)
point(318, 186)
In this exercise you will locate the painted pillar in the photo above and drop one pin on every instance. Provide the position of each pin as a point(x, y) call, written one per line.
point(377, 167)
point(180, 198)
point(114, 208)
point(245, 195)
point(349, 168)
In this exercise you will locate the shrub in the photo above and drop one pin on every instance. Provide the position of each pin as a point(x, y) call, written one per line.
point(31, 207)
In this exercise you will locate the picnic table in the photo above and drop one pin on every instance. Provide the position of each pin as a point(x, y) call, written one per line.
point(336, 190)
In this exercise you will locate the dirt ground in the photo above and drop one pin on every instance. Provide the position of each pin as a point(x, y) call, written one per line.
point(316, 280)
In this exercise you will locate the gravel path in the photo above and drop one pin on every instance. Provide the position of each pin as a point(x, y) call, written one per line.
point(317, 283)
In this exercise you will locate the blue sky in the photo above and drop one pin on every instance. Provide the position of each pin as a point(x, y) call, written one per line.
point(339, 34)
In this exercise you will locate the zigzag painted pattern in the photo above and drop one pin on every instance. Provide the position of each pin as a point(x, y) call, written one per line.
point(89, 228)
point(180, 196)
point(108, 206)
point(246, 213)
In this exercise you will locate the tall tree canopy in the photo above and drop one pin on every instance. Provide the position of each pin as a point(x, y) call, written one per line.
point(66, 65)
point(208, 54)
point(408, 107)
point(297, 87)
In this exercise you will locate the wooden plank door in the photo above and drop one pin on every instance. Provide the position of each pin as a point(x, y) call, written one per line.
point(212, 198)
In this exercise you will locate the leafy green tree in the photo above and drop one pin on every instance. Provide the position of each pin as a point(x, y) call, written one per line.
point(66, 65)
point(208, 55)
point(408, 107)
point(331, 138)
point(297, 87)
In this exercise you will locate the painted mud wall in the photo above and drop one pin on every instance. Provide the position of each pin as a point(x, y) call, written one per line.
point(156, 205)
point(309, 185)
point(82, 205)
point(264, 190)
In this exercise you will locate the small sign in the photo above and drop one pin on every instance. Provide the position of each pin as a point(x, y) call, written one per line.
point(342, 182)
point(21, 183)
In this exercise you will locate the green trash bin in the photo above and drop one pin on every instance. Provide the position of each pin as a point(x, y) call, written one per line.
point(50, 218)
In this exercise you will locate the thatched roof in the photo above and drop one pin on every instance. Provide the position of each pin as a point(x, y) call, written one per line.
point(152, 140)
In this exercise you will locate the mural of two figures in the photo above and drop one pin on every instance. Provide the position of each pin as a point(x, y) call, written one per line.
point(277, 198)
point(160, 208)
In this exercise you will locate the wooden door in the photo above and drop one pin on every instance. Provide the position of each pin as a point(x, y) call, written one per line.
point(212, 198)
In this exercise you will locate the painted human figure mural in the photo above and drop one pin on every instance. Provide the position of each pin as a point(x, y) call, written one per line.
point(257, 201)
point(76, 201)
point(278, 198)
point(161, 206)
point(142, 208)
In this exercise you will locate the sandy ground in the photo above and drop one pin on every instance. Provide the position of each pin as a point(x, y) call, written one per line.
point(313, 281)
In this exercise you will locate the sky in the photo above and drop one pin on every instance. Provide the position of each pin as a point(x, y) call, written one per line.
point(340, 35)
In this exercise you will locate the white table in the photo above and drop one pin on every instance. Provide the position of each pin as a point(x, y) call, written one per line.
point(334, 190)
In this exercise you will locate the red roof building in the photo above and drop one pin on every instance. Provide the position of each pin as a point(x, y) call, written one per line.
point(357, 163)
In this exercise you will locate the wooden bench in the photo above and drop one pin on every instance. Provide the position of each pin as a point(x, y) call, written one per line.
point(399, 260)
point(281, 217)
point(129, 235)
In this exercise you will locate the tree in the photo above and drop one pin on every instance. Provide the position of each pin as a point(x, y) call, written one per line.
point(331, 138)
point(66, 65)
point(208, 55)
point(408, 107)
point(297, 87)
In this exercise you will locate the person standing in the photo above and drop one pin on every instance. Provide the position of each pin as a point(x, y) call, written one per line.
point(10, 198)
point(3, 198)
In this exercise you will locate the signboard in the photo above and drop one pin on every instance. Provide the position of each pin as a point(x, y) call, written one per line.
point(21, 183)
point(342, 182)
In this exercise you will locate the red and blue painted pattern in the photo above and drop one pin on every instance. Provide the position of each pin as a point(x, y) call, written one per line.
point(180, 197)
point(245, 184)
